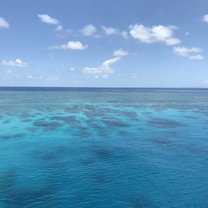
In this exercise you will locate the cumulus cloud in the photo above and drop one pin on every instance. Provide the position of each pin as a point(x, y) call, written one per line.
point(114, 31)
point(205, 18)
point(110, 61)
point(159, 33)
point(104, 68)
point(73, 45)
point(120, 52)
point(45, 18)
point(110, 30)
point(191, 53)
point(16, 63)
point(89, 30)
point(4, 23)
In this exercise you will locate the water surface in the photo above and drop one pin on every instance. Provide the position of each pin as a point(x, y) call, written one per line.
point(75, 147)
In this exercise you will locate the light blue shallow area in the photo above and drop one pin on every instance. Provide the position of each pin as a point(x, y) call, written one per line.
point(101, 148)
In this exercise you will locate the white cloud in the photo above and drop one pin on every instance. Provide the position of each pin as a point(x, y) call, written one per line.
point(120, 52)
point(197, 57)
point(73, 45)
point(111, 61)
point(45, 18)
point(48, 19)
point(89, 30)
point(4, 23)
point(104, 68)
point(191, 53)
point(16, 63)
point(159, 33)
point(114, 31)
point(172, 41)
point(110, 30)
point(205, 18)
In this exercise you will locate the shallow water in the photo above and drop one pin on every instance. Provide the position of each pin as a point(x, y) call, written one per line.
point(139, 148)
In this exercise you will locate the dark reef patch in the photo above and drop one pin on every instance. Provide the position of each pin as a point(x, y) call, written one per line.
point(24, 198)
point(147, 113)
point(70, 120)
point(12, 136)
point(7, 179)
point(6, 121)
point(73, 109)
point(102, 153)
point(203, 111)
point(46, 125)
point(163, 141)
point(94, 113)
point(114, 122)
point(124, 134)
point(130, 114)
point(87, 162)
point(98, 178)
point(27, 120)
point(98, 112)
point(83, 132)
point(139, 203)
point(52, 154)
point(191, 117)
point(165, 123)
point(24, 115)
point(32, 129)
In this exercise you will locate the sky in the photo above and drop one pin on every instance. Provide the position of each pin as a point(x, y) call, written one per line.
point(111, 43)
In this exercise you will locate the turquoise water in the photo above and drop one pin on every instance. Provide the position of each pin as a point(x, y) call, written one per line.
point(80, 148)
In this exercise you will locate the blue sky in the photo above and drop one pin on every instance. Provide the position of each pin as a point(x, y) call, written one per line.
point(112, 43)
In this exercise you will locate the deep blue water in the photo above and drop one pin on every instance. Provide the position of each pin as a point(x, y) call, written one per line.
point(86, 148)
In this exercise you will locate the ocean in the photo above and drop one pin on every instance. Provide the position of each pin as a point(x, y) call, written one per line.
point(103, 147)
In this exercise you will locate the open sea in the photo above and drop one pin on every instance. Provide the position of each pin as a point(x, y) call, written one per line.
point(103, 148)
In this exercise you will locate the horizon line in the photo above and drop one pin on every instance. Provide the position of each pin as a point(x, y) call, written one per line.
point(105, 87)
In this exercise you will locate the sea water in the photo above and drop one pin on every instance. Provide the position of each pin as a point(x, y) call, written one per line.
point(97, 148)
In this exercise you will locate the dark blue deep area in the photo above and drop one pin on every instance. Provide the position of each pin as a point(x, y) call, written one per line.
point(98, 148)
